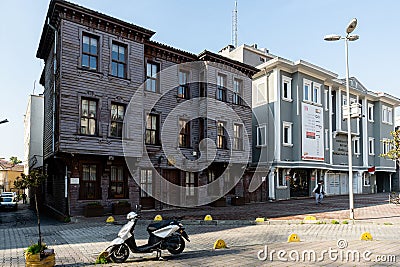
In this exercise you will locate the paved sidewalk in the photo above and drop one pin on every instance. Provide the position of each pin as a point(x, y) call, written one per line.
point(79, 242)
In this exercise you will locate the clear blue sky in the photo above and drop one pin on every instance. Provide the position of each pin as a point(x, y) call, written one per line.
point(291, 29)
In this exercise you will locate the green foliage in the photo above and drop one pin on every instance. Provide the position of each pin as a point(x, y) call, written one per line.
point(345, 222)
point(35, 248)
point(101, 259)
point(388, 223)
point(33, 180)
point(334, 222)
point(14, 161)
point(93, 204)
point(394, 146)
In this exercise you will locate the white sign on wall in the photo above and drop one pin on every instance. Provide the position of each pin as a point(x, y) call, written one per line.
point(312, 145)
point(74, 181)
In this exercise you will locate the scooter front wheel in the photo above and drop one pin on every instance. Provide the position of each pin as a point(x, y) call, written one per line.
point(119, 253)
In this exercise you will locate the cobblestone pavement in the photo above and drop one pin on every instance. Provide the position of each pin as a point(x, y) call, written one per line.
point(79, 242)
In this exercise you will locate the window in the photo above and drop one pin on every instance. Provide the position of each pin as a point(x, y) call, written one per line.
point(152, 76)
point(90, 54)
point(221, 138)
point(118, 60)
point(326, 139)
point(387, 115)
point(306, 90)
point(326, 99)
point(282, 178)
point(152, 129)
point(203, 85)
point(146, 183)
point(286, 88)
point(88, 116)
point(262, 135)
point(237, 92)
point(221, 85)
point(370, 112)
point(117, 182)
point(117, 119)
point(237, 137)
point(189, 183)
point(386, 145)
point(183, 89)
point(371, 146)
point(356, 145)
point(316, 94)
point(261, 94)
point(367, 179)
point(287, 133)
point(184, 134)
point(89, 188)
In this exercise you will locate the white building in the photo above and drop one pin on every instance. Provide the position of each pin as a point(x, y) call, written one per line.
point(33, 133)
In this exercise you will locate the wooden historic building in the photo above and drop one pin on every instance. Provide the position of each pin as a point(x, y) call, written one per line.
point(94, 65)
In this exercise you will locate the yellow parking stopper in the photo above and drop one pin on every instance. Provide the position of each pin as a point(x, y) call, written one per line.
point(293, 238)
point(110, 219)
point(366, 236)
point(158, 218)
point(219, 244)
point(208, 218)
point(259, 220)
point(310, 218)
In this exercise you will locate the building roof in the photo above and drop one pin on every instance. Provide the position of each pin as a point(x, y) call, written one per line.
point(8, 166)
point(66, 10)
point(213, 57)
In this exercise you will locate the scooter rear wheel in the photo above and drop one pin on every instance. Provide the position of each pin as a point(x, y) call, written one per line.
point(119, 253)
point(180, 246)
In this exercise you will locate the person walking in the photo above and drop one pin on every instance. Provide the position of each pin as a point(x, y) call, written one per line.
point(319, 192)
point(24, 198)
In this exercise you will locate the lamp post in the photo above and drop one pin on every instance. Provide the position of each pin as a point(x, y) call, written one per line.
point(3, 121)
point(334, 37)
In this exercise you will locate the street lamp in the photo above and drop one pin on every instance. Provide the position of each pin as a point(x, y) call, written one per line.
point(3, 121)
point(334, 37)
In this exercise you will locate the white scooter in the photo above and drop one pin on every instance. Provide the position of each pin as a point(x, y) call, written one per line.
point(166, 234)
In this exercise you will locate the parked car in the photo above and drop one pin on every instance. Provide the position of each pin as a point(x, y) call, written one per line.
point(8, 194)
point(8, 203)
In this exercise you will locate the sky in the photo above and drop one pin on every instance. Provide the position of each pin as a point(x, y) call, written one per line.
point(293, 29)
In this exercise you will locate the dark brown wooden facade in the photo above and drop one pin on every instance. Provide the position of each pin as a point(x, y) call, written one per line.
point(88, 85)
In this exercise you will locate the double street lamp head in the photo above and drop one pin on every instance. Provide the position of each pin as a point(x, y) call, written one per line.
point(350, 28)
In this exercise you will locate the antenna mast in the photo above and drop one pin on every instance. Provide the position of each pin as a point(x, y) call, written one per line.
point(235, 26)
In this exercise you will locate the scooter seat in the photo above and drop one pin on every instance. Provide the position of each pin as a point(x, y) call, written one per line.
point(155, 226)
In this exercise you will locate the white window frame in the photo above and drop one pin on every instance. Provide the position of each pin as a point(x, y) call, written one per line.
point(282, 175)
point(387, 115)
point(308, 94)
point(385, 145)
point(370, 112)
point(356, 145)
point(288, 81)
point(261, 94)
point(371, 146)
point(288, 125)
point(367, 176)
point(326, 104)
point(316, 88)
point(259, 128)
point(326, 139)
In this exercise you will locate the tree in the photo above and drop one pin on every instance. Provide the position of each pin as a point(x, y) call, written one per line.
point(14, 161)
point(32, 181)
point(394, 147)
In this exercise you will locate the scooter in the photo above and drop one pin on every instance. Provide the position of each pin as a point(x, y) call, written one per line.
point(163, 235)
